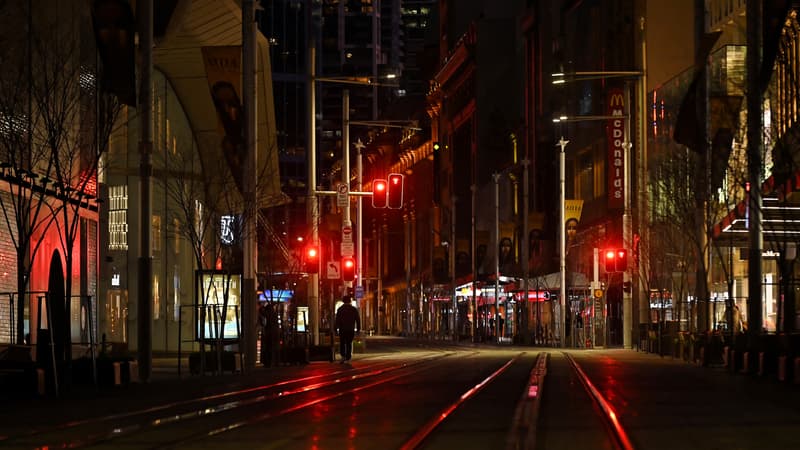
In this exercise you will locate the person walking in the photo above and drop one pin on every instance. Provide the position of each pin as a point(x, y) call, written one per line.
point(347, 325)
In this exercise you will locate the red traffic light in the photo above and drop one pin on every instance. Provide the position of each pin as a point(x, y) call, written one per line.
point(379, 193)
point(616, 260)
point(311, 259)
point(348, 268)
point(610, 257)
point(394, 194)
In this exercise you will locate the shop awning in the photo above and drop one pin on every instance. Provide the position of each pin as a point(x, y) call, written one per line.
point(780, 216)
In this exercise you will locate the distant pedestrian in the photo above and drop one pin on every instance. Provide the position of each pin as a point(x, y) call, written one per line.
point(348, 325)
point(268, 319)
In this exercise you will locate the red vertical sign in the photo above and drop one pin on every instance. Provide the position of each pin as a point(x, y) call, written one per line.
point(616, 152)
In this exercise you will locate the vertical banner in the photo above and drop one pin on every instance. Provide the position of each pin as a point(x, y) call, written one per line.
point(616, 152)
point(507, 249)
point(224, 71)
point(572, 217)
point(535, 237)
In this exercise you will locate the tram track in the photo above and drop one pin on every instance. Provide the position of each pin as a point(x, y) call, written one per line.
point(188, 441)
point(615, 428)
point(94, 431)
point(430, 427)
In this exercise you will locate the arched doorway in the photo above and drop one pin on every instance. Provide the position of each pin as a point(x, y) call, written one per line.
point(56, 294)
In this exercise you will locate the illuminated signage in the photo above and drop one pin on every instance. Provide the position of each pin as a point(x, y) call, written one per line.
point(226, 229)
point(275, 295)
point(616, 151)
point(219, 317)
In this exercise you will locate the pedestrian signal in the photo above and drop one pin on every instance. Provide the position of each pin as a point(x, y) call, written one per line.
point(394, 195)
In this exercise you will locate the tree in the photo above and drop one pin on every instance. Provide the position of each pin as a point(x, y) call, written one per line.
point(208, 211)
point(58, 124)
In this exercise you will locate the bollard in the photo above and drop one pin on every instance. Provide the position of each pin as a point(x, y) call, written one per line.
point(133, 370)
point(41, 386)
point(760, 364)
point(117, 373)
point(782, 368)
point(725, 359)
point(745, 362)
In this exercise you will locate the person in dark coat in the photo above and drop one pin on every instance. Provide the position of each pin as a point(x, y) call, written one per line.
point(348, 324)
point(270, 334)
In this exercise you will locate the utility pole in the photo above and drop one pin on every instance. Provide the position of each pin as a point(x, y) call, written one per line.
point(496, 318)
point(312, 205)
point(452, 250)
point(250, 249)
point(755, 128)
point(145, 264)
point(627, 226)
point(562, 237)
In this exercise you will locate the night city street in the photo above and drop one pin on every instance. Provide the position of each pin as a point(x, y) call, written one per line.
point(404, 394)
point(400, 224)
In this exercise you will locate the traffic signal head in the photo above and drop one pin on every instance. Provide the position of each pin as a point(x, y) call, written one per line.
point(394, 191)
point(616, 260)
point(379, 193)
point(621, 260)
point(348, 268)
point(311, 258)
point(610, 258)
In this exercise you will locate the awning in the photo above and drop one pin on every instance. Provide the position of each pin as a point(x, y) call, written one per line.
point(780, 216)
point(208, 23)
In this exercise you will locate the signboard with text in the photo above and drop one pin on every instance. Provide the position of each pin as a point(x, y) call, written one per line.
point(616, 150)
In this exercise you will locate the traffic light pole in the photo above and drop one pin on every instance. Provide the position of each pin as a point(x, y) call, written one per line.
point(562, 237)
point(627, 226)
point(312, 206)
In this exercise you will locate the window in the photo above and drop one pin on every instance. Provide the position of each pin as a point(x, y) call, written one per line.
point(176, 294)
point(118, 217)
point(156, 298)
point(156, 221)
point(176, 233)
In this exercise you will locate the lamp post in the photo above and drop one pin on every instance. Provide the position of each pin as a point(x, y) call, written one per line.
point(562, 244)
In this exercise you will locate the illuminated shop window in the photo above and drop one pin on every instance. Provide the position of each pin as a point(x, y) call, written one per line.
point(118, 217)
point(156, 298)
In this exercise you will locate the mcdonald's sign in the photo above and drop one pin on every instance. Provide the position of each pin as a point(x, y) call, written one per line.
point(615, 169)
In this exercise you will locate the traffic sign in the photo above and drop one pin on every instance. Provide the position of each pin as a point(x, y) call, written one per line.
point(342, 195)
point(333, 270)
point(347, 233)
point(359, 292)
point(348, 248)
